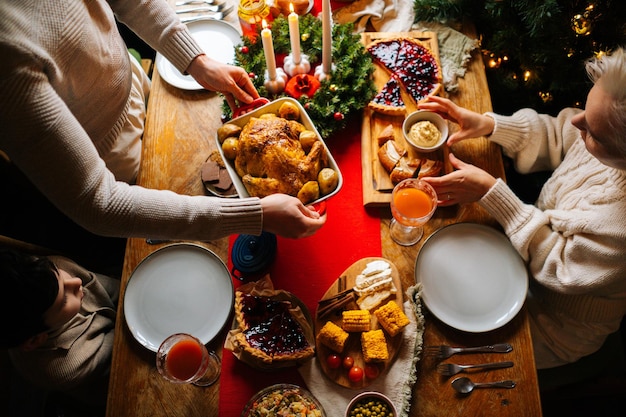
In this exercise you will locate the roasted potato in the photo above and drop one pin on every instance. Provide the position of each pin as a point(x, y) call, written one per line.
point(327, 180)
point(309, 192)
point(307, 138)
point(228, 130)
point(289, 111)
point(229, 146)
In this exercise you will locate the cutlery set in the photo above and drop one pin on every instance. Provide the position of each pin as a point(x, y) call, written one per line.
point(209, 9)
point(465, 385)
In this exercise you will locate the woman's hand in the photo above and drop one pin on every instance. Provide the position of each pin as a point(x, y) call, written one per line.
point(230, 80)
point(472, 124)
point(466, 184)
point(286, 216)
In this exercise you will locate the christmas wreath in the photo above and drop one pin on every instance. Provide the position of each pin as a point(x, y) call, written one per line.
point(329, 102)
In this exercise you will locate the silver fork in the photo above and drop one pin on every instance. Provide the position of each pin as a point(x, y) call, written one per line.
point(444, 352)
point(207, 16)
point(449, 369)
point(205, 8)
point(186, 2)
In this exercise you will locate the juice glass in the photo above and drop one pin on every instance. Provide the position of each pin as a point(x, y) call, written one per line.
point(413, 203)
point(182, 358)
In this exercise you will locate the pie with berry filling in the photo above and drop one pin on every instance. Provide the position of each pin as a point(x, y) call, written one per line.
point(389, 100)
point(269, 331)
point(411, 65)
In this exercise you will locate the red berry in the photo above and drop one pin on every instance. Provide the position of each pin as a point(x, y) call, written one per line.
point(245, 49)
point(348, 362)
point(333, 361)
point(371, 371)
point(251, 75)
point(338, 116)
point(355, 374)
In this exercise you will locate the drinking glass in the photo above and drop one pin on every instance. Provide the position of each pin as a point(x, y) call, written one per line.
point(413, 203)
point(183, 359)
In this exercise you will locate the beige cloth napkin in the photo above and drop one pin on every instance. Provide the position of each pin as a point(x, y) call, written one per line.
point(384, 15)
point(396, 382)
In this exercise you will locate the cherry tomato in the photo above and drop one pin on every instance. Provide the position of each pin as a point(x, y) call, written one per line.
point(355, 374)
point(348, 362)
point(371, 371)
point(333, 361)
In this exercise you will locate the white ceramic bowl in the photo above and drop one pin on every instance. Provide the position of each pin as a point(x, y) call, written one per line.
point(423, 115)
point(376, 396)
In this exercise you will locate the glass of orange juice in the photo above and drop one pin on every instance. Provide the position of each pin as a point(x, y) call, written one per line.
point(182, 358)
point(413, 203)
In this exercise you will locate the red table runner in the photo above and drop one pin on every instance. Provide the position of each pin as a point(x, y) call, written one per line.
point(307, 267)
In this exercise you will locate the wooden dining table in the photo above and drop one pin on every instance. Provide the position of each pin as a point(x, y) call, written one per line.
point(179, 134)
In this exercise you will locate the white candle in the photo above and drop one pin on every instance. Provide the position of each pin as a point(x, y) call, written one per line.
point(294, 35)
point(327, 39)
point(268, 49)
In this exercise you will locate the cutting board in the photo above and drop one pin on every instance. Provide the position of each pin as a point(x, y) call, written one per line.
point(377, 185)
point(353, 344)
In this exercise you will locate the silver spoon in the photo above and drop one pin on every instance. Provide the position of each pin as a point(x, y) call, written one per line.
point(465, 385)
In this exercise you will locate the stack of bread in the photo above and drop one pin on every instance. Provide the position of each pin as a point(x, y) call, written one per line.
point(397, 161)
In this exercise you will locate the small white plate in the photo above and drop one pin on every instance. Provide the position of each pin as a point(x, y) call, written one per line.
point(472, 277)
point(216, 38)
point(180, 288)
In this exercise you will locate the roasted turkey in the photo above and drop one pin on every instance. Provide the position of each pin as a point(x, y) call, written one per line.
point(270, 158)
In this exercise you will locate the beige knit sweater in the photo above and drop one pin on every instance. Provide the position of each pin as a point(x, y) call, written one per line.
point(573, 240)
point(76, 358)
point(65, 80)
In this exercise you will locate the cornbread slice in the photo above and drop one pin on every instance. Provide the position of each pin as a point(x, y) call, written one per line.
point(374, 346)
point(391, 318)
point(355, 320)
point(332, 336)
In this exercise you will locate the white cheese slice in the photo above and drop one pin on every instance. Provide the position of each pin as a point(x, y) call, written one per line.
point(385, 284)
point(364, 281)
point(375, 267)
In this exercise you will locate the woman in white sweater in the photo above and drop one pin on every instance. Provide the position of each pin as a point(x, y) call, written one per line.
point(71, 107)
point(574, 237)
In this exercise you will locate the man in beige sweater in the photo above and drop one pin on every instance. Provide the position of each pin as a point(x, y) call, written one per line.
point(71, 118)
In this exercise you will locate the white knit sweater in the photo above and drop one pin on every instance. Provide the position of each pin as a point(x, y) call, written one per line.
point(573, 240)
point(65, 80)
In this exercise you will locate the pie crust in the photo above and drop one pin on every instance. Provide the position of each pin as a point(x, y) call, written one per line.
point(269, 331)
point(412, 67)
point(389, 99)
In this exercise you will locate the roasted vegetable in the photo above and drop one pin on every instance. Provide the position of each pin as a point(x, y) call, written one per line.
point(327, 180)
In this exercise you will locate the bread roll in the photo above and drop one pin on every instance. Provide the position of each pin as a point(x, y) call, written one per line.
point(405, 168)
point(385, 135)
point(389, 154)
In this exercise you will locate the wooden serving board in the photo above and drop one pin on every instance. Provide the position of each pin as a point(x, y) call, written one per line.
point(353, 344)
point(377, 185)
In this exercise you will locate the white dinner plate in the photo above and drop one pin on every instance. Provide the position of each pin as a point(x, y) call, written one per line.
point(216, 38)
point(472, 277)
point(180, 288)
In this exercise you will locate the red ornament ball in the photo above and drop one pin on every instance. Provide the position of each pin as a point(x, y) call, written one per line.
point(338, 116)
point(244, 49)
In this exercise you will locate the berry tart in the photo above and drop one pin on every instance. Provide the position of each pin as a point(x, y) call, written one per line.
point(412, 68)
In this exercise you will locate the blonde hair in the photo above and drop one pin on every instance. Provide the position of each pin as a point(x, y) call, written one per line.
point(609, 73)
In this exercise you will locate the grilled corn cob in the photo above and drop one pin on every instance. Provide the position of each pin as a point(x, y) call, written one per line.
point(391, 318)
point(355, 320)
